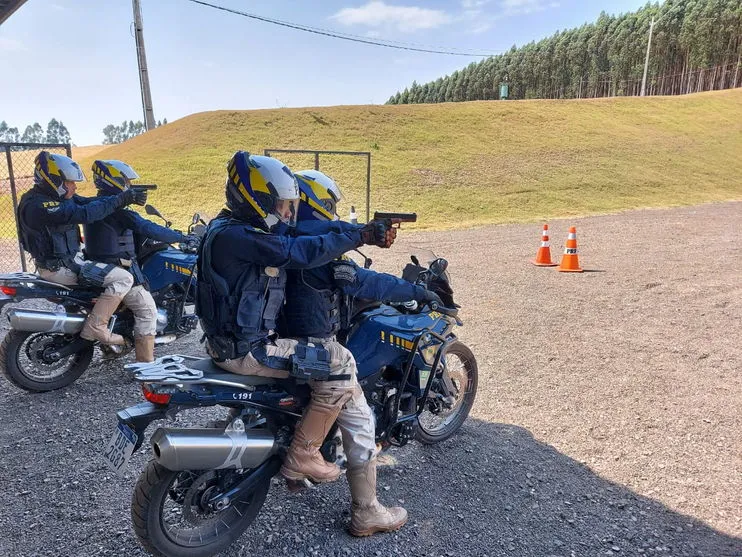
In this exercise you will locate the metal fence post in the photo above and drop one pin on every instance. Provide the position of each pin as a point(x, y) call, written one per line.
point(368, 188)
point(11, 178)
point(316, 161)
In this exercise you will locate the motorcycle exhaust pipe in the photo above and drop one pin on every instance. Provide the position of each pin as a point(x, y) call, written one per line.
point(211, 449)
point(45, 321)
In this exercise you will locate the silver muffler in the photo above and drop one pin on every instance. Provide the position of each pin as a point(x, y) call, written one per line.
point(45, 321)
point(211, 449)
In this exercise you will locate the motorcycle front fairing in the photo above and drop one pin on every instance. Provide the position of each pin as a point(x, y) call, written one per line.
point(384, 336)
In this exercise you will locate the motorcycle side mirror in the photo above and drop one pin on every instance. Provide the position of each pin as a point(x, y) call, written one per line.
point(150, 210)
point(439, 266)
point(196, 218)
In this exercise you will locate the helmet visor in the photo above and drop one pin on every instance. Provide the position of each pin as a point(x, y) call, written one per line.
point(286, 210)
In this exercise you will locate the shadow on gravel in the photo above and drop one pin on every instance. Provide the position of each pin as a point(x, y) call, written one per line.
point(492, 490)
point(495, 490)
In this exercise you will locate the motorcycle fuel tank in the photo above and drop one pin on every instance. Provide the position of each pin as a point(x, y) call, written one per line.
point(167, 267)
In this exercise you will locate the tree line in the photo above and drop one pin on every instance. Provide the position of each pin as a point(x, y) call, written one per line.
point(118, 134)
point(696, 46)
point(56, 132)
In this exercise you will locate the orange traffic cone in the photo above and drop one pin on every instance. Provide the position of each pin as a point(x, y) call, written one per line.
point(569, 263)
point(543, 256)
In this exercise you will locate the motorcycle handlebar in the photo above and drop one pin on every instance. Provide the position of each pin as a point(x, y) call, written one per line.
point(450, 312)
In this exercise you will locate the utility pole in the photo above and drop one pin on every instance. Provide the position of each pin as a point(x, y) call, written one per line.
point(149, 115)
point(646, 60)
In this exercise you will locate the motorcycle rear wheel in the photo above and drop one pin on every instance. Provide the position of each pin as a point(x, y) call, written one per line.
point(20, 359)
point(201, 532)
point(464, 373)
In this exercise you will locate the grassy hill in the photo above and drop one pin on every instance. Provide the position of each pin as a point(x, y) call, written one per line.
point(466, 164)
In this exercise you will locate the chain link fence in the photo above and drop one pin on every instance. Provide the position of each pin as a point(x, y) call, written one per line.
point(16, 178)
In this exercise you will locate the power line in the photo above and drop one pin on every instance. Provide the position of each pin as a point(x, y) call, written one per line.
point(353, 38)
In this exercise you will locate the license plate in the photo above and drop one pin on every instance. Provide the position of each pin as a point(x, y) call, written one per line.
point(118, 450)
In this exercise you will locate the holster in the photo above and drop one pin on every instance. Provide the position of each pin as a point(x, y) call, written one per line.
point(310, 362)
point(92, 275)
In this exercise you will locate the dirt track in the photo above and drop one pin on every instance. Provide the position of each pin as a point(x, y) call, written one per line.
point(608, 420)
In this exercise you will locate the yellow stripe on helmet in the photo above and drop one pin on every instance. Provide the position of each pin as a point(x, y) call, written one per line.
point(257, 182)
point(250, 200)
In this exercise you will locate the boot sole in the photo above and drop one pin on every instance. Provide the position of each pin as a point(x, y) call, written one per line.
point(298, 477)
point(376, 529)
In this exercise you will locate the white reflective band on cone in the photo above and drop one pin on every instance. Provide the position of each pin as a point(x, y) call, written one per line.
point(545, 244)
point(572, 236)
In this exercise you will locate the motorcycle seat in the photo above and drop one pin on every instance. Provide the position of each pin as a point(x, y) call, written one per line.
point(213, 371)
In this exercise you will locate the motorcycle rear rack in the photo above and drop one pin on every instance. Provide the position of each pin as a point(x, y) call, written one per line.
point(167, 369)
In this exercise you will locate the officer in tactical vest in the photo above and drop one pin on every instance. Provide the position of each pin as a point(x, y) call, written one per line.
point(317, 303)
point(111, 241)
point(48, 217)
point(242, 265)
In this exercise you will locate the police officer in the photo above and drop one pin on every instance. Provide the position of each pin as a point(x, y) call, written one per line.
point(111, 241)
point(315, 307)
point(48, 217)
point(242, 265)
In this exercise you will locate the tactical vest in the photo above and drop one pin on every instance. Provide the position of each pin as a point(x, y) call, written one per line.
point(108, 241)
point(51, 246)
point(236, 317)
point(311, 310)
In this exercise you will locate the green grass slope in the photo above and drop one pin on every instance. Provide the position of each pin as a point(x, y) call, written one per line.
point(467, 164)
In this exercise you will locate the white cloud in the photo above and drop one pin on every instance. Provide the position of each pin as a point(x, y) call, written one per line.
point(403, 18)
point(481, 28)
point(11, 45)
point(473, 4)
point(516, 7)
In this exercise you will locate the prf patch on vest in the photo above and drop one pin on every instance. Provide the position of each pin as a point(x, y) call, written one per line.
point(51, 206)
point(344, 274)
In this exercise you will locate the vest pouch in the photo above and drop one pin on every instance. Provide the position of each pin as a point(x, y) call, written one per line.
point(274, 303)
point(249, 312)
point(205, 306)
point(65, 241)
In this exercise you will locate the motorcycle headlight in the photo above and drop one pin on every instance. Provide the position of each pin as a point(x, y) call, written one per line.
point(428, 353)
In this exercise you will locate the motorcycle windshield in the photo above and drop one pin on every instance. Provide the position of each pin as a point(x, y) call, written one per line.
point(426, 258)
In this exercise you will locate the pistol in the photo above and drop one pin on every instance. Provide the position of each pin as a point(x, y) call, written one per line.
point(143, 187)
point(396, 218)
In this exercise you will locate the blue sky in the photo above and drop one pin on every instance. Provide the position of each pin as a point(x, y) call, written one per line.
point(75, 59)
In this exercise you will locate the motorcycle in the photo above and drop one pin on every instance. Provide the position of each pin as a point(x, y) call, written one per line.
point(205, 486)
point(43, 350)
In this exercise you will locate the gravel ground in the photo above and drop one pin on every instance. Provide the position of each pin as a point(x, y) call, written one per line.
point(607, 422)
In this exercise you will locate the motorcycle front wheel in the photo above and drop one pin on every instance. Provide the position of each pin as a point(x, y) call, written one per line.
point(442, 418)
point(24, 358)
point(172, 516)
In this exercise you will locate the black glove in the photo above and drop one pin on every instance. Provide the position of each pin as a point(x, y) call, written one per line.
point(379, 233)
point(133, 196)
point(191, 242)
point(428, 296)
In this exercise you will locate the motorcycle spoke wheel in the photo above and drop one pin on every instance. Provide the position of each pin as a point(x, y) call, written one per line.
point(24, 358)
point(36, 366)
point(440, 420)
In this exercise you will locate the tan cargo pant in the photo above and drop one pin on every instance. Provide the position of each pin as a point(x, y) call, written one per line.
point(118, 282)
point(356, 420)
